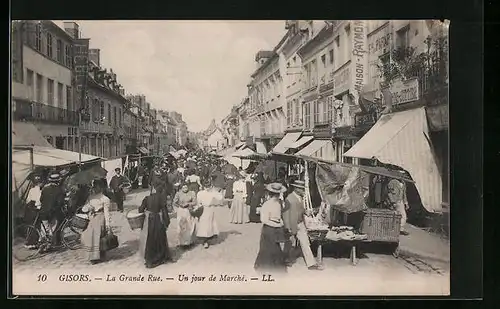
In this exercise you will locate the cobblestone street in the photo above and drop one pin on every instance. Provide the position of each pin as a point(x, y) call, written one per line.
point(234, 251)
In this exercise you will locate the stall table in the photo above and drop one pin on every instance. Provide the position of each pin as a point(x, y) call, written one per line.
point(353, 243)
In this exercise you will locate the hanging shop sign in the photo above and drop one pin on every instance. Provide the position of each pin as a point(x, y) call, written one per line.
point(403, 92)
point(80, 64)
point(359, 63)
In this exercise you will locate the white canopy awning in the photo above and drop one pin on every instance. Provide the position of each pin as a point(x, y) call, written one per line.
point(301, 142)
point(402, 139)
point(321, 149)
point(286, 141)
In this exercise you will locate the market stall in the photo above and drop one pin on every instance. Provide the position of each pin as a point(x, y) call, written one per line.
point(349, 207)
point(339, 203)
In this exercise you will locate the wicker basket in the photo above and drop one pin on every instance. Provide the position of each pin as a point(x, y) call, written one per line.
point(381, 225)
point(135, 219)
point(80, 221)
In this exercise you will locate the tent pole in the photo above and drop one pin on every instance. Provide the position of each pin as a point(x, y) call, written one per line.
point(32, 163)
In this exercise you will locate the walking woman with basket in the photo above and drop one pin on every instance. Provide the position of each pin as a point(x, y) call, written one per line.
point(95, 238)
point(153, 244)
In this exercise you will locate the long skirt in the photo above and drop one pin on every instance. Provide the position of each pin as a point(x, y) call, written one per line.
point(239, 210)
point(207, 226)
point(270, 258)
point(153, 245)
point(186, 225)
point(92, 235)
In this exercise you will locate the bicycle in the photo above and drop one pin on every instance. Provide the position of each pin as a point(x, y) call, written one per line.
point(30, 241)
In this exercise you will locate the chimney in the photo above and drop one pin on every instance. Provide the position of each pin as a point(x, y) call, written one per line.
point(95, 55)
point(72, 29)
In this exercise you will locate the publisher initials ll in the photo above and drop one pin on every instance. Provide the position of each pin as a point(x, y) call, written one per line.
point(267, 278)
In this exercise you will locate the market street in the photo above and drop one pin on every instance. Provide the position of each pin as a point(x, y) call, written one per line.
point(234, 251)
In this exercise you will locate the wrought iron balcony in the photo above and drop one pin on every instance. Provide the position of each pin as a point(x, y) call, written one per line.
point(34, 111)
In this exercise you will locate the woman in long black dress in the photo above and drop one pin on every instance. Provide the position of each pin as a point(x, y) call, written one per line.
point(271, 258)
point(153, 244)
point(259, 190)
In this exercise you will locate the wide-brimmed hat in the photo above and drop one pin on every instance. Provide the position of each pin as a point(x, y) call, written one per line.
point(63, 172)
point(299, 184)
point(276, 187)
point(54, 177)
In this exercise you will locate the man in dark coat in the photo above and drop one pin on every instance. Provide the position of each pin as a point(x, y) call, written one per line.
point(116, 184)
point(52, 201)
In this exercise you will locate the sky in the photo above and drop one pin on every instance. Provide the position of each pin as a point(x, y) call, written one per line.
point(197, 68)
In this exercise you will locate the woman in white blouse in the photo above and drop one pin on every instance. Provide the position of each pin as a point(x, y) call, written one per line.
point(239, 209)
point(98, 209)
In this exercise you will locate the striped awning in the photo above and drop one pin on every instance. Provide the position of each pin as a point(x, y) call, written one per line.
point(402, 139)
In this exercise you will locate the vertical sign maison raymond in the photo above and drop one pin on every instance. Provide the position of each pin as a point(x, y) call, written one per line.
point(359, 73)
point(81, 56)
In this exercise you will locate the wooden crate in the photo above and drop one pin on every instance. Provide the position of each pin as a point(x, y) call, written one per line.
point(381, 225)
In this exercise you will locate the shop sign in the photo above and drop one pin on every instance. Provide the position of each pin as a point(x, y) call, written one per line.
point(365, 119)
point(341, 80)
point(80, 62)
point(404, 91)
point(379, 42)
point(359, 64)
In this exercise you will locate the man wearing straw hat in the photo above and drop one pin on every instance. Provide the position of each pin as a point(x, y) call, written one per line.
point(293, 219)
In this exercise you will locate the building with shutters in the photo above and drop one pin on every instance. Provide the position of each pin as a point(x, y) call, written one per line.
point(42, 79)
point(103, 132)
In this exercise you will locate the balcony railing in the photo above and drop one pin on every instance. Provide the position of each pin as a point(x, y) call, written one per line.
point(433, 84)
point(33, 111)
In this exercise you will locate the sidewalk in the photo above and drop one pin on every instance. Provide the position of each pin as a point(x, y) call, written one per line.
point(424, 245)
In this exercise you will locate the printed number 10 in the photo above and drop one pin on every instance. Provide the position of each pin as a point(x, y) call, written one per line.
point(42, 278)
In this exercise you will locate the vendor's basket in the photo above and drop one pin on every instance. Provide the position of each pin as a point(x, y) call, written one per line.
point(80, 221)
point(381, 225)
point(135, 219)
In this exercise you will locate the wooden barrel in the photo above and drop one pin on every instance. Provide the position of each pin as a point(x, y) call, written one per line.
point(135, 219)
point(80, 221)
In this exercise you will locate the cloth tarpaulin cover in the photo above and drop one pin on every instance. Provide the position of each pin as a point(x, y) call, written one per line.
point(110, 166)
point(402, 139)
point(345, 188)
point(286, 141)
point(48, 156)
point(26, 134)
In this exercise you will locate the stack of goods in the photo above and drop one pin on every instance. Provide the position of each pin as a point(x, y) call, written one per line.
point(344, 233)
point(315, 227)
